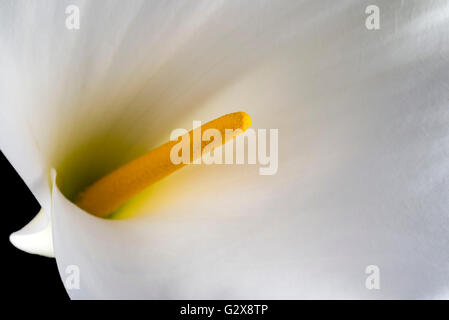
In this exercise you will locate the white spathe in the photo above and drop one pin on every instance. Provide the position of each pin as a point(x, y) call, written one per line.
point(364, 137)
point(35, 237)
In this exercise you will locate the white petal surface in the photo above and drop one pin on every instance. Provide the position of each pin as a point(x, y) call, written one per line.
point(35, 237)
point(363, 144)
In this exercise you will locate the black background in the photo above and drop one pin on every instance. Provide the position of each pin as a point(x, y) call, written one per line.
point(27, 276)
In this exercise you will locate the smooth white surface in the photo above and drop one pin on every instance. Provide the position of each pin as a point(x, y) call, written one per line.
point(35, 237)
point(363, 151)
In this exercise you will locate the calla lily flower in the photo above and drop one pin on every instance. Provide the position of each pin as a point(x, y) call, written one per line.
point(363, 166)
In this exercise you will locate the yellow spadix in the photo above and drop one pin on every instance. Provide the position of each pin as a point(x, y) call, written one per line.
point(110, 192)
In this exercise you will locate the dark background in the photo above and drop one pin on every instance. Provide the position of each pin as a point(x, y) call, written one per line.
point(27, 276)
